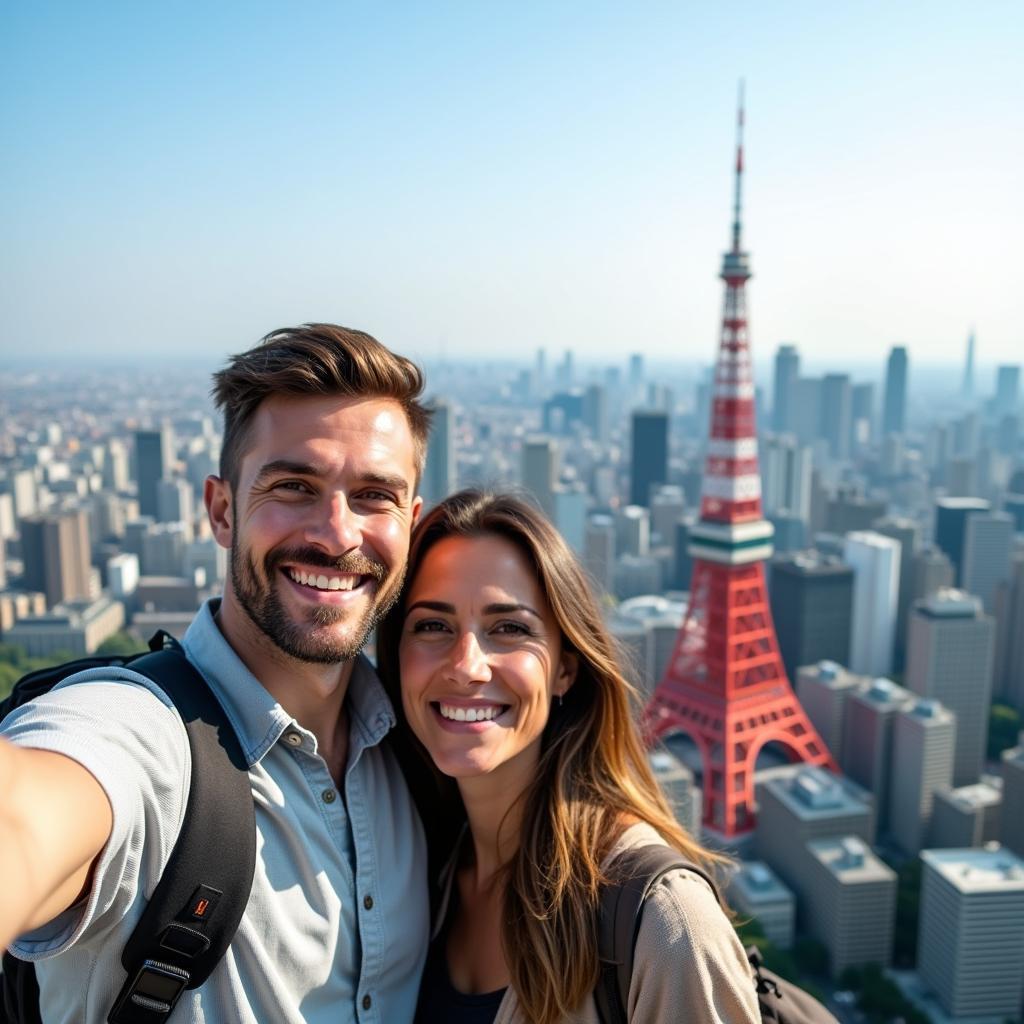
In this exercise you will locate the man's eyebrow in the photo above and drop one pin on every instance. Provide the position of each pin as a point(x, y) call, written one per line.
point(280, 467)
point(394, 483)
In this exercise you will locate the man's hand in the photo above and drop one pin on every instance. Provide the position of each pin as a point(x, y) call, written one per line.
point(55, 820)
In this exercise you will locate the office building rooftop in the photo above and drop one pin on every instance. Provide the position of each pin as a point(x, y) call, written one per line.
point(850, 859)
point(978, 871)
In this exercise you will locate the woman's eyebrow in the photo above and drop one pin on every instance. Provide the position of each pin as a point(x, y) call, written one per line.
point(432, 606)
point(501, 609)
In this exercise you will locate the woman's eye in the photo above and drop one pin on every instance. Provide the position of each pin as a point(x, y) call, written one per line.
point(429, 626)
point(513, 629)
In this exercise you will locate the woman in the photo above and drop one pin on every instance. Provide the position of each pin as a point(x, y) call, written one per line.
point(510, 685)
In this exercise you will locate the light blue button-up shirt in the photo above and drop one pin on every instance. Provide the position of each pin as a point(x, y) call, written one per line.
point(336, 926)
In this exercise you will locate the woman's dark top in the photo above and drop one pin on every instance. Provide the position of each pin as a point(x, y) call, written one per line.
point(441, 1003)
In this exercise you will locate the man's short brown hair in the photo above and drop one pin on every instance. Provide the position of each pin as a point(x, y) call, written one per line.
point(314, 359)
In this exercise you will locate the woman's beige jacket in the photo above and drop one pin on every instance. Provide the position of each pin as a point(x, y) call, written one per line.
point(689, 965)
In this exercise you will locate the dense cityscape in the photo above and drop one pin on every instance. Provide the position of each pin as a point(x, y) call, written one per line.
point(896, 588)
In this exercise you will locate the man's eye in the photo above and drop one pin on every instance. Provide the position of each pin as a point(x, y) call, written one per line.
point(377, 496)
point(292, 485)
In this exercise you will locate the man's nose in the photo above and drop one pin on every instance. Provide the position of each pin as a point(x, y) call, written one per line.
point(335, 527)
point(468, 662)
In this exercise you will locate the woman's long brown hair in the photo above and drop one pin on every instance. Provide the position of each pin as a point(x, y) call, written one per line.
point(593, 779)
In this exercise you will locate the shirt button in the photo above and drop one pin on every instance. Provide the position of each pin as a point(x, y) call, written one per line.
point(367, 1002)
point(329, 796)
point(368, 902)
point(293, 739)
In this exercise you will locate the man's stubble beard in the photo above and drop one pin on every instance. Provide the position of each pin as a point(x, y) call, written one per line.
point(310, 641)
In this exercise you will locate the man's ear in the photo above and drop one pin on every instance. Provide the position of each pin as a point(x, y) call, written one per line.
point(219, 501)
point(417, 508)
point(567, 668)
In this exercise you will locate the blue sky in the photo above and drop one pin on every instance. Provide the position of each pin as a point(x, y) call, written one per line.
point(485, 178)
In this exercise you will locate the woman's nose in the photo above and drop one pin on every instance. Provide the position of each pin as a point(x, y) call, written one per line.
point(468, 661)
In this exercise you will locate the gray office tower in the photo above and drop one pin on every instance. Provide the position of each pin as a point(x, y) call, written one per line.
point(1007, 390)
point(908, 533)
point(971, 934)
point(650, 455)
point(823, 690)
point(811, 598)
point(154, 452)
point(540, 472)
point(951, 527)
point(599, 550)
point(1009, 676)
point(836, 413)
point(682, 565)
point(55, 551)
point(950, 652)
point(862, 402)
point(894, 407)
point(923, 742)
point(867, 741)
point(439, 472)
point(595, 412)
point(931, 571)
point(1012, 822)
point(988, 542)
point(787, 372)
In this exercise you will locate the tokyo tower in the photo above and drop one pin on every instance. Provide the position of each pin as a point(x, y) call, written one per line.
point(725, 685)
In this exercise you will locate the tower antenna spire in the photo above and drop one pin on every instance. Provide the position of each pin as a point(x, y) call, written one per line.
point(737, 221)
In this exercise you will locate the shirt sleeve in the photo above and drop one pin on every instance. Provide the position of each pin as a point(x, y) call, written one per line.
point(135, 745)
point(689, 964)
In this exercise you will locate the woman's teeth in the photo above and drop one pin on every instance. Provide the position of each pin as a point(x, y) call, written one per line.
point(482, 714)
point(323, 582)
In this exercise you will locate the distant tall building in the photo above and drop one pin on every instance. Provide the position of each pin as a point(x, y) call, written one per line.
point(971, 932)
point(848, 511)
point(56, 554)
point(1007, 397)
point(908, 533)
point(967, 387)
point(668, 503)
point(786, 477)
point(966, 816)
point(931, 571)
point(807, 409)
point(824, 690)
point(755, 891)
point(1009, 677)
point(812, 604)
point(571, 515)
point(950, 652)
point(595, 412)
point(894, 408)
point(633, 530)
point(540, 472)
point(599, 550)
point(867, 743)
point(988, 542)
point(951, 527)
point(862, 401)
point(650, 455)
point(876, 572)
point(923, 744)
point(175, 502)
point(154, 453)
point(836, 413)
point(787, 372)
point(439, 472)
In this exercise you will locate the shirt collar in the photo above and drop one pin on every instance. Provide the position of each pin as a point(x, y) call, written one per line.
point(256, 716)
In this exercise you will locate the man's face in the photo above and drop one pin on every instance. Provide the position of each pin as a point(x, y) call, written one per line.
point(320, 521)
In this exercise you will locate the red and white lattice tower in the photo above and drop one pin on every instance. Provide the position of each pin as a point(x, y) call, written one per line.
point(725, 684)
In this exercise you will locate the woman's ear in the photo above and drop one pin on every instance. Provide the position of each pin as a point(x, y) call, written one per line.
point(567, 666)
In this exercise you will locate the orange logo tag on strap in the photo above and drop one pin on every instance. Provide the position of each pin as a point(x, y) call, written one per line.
point(201, 907)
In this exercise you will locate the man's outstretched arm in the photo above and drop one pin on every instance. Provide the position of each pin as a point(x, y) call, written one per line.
point(55, 820)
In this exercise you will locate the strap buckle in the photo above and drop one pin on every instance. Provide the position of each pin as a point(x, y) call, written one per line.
point(150, 996)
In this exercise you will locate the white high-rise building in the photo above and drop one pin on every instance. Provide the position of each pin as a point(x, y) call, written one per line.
point(540, 472)
point(123, 574)
point(923, 741)
point(988, 541)
point(950, 652)
point(786, 476)
point(876, 575)
point(971, 932)
point(599, 550)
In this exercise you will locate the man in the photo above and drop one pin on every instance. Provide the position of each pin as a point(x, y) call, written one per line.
point(324, 442)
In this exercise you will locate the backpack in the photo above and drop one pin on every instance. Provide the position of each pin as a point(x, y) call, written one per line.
point(621, 906)
point(199, 900)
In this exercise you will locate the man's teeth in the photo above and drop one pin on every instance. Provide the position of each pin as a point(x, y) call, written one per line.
point(322, 582)
point(481, 714)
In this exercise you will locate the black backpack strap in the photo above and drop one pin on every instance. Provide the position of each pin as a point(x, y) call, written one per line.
point(198, 903)
point(633, 876)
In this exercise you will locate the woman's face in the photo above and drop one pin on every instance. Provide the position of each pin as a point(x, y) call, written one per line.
point(481, 658)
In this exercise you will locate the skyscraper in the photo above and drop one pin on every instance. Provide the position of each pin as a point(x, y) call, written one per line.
point(876, 576)
point(894, 408)
point(967, 387)
point(786, 477)
point(154, 452)
point(907, 532)
point(55, 551)
point(951, 527)
point(836, 413)
point(950, 651)
point(540, 472)
point(650, 455)
point(787, 372)
point(812, 604)
point(988, 541)
point(1007, 397)
point(439, 472)
point(862, 402)
point(971, 934)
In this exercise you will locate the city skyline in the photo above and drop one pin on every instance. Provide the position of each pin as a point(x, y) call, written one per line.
point(460, 181)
